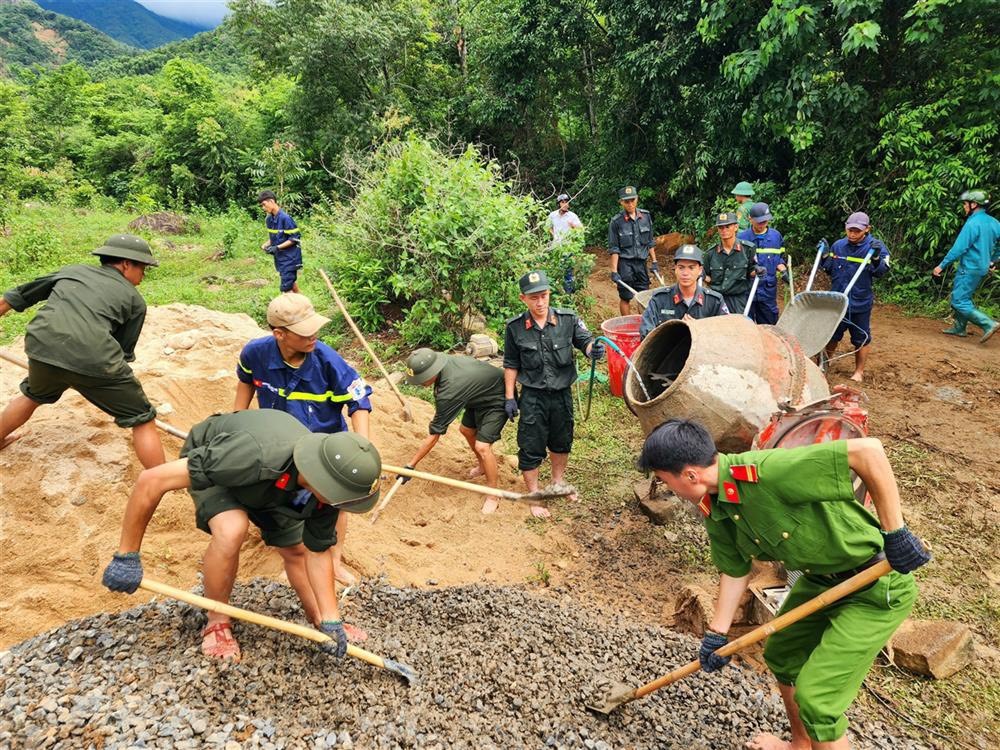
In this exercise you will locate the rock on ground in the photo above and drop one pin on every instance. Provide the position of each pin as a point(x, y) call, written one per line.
point(498, 667)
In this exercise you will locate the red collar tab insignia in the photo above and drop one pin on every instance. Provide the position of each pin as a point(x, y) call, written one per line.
point(527, 324)
point(553, 319)
point(744, 472)
point(283, 480)
point(701, 299)
point(677, 299)
point(729, 493)
point(705, 505)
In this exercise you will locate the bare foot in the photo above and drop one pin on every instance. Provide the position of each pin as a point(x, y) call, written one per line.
point(540, 511)
point(768, 742)
point(490, 504)
point(856, 377)
point(9, 439)
point(475, 471)
point(343, 576)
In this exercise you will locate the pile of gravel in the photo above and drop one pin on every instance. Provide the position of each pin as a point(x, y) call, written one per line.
point(498, 668)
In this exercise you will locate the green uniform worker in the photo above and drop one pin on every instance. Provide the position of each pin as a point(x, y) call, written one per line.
point(261, 466)
point(730, 264)
point(84, 337)
point(743, 194)
point(538, 354)
point(797, 506)
point(462, 382)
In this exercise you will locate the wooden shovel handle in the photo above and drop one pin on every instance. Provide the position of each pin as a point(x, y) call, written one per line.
point(14, 359)
point(852, 584)
point(357, 332)
point(457, 483)
point(385, 500)
point(257, 619)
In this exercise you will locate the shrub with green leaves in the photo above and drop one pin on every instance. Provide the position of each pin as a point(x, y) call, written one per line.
point(440, 236)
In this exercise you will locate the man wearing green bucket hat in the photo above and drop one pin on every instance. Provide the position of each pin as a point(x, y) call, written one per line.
point(264, 467)
point(84, 337)
point(462, 382)
point(742, 194)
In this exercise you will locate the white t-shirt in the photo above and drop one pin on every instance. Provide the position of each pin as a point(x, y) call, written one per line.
point(562, 223)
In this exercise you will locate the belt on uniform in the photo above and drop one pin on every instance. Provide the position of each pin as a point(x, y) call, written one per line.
point(845, 574)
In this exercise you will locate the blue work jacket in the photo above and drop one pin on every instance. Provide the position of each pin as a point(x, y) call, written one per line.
point(841, 263)
point(281, 227)
point(976, 245)
point(314, 392)
point(770, 254)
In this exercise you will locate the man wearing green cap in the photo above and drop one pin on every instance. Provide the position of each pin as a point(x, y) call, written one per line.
point(742, 194)
point(462, 382)
point(84, 337)
point(538, 354)
point(631, 240)
point(731, 264)
point(262, 467)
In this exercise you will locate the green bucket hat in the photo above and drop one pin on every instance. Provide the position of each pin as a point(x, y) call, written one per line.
point(129, 247)
point(743, 188)
point(344, 469)
point(423, 365)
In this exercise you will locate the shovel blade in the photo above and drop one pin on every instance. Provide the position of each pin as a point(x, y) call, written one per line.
point(617, 695)
point(812, 318)
point(402, 670)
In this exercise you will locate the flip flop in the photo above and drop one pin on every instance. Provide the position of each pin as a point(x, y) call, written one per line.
point(225, 646)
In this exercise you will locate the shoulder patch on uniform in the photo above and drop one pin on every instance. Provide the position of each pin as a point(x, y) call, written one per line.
point(358, 389)
point(711, 292)
point(564, 311)
point(744, 472)
point(748, 244)
point(514, 319)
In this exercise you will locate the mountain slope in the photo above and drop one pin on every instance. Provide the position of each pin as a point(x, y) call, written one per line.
point(30, 35)
point(124, 20)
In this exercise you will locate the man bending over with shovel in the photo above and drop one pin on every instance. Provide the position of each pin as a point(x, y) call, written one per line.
point(262, 467)
point(797, 506)
point(462, 383)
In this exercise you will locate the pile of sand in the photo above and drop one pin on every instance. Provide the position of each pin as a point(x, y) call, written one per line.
point(66, 481)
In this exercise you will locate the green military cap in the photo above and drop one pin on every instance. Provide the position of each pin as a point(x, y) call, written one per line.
point(344, 469)
point(689, 252)
point(422, 365)
point(743, 188)
point(726, 218)
point(127, 246)
point(975, 196)
point(534, 281)
point(628, 193)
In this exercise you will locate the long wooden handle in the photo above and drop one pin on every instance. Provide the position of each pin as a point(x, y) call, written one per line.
point(15, 360)
point(357, 332)
point(257, 619)
point(385, 500)
point(457, 483)
point(852, 584)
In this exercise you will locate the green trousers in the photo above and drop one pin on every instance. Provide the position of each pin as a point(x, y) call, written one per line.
point(827, 654)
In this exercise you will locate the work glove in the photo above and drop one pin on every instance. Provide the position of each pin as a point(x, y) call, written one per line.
point(124, 572)
point(337, 645)
point(407, 479)
point(655, 267)
point(616, 277)
point(597, 350)
point(904, 551)
point(510, 407)
point(821, 246)
point(760, 271)
point(710, 661)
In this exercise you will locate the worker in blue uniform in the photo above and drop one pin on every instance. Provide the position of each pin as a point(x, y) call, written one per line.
point(283, 241)
point(292, 371)
point(841, 262)
point(976, 251)
point(770, 254)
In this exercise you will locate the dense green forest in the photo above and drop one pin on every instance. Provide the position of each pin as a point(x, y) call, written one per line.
point(124, 20)
point(827, 107)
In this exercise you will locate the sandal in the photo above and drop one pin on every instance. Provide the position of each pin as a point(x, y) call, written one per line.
point(355, 633)
point(224, 647)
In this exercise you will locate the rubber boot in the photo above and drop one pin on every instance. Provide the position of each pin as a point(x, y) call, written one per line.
point(959, 326)
point(987, 332)
point(985, 322)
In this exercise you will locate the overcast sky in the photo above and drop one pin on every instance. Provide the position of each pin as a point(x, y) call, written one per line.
point(201, 12)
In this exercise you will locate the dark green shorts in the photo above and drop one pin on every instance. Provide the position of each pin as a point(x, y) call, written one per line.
point(121, 397)
point(488, 423)
point(545, 422)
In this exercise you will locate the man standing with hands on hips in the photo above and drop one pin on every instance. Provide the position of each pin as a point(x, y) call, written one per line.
point(631, 241)
point(538, 354)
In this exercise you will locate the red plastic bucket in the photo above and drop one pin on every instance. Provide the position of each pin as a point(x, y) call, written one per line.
point(624, 331)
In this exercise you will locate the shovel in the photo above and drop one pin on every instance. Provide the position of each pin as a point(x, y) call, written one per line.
point(641, 298)
point(753, 293)
point(385, 500)
point(407, 414)
point(312, 634)
point(621, 694)
point(526, 497)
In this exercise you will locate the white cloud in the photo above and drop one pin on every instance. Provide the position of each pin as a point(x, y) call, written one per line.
point(201, 12)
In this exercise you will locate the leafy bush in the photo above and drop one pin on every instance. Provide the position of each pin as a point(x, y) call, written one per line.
point(441, 236)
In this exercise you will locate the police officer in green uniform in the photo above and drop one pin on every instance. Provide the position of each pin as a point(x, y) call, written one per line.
point(731, 264)
point(798, 506)
point(462, 382)
point(631, 240)
point(686, 298)
point(742, 194)
point(538, 355)
point(84, 337)
point(264, 467)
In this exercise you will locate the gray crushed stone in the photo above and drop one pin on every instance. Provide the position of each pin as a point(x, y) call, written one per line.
point(498, 667)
